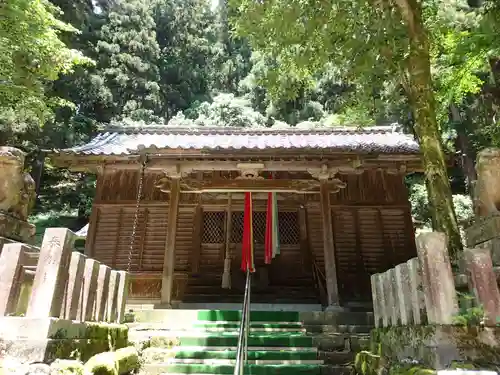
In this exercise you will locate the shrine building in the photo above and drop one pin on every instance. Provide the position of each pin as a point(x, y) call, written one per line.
point(169, 207)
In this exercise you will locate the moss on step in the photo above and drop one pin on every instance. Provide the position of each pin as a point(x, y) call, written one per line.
point(66, 367)
point(164, 341)
point(83, 340)
point(113, 363)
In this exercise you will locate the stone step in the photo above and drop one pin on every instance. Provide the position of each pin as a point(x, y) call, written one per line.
point(221, 326)
point(188, 317)
point(338, 328)
point(255, 306)
point(233, 329)
point(324, 370)
point(337, 358)
point(232, 362)
point(312, 318)
point(155, 355)
point(229, 339)
point(252, 369)
point(341, 341)
point(311, 349)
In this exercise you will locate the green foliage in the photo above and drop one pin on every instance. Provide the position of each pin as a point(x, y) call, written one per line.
point(128, 58)
point(31, 54)
point(187, 61)
point(225, 110)
point(421, 210)
point(468, 315)
point(291, 63)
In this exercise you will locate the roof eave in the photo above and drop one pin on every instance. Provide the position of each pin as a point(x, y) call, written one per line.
point(91, 163)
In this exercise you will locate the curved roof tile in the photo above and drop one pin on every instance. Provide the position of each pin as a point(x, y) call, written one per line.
point(127, 141)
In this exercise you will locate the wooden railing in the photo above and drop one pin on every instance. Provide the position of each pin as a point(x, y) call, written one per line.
point(59, 282)
point(422, 290)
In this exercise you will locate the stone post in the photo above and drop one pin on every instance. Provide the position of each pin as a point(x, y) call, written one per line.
point(384, 310)
point(390, 317)
point(102, 291)
point(75, 283)
point(437, 278)
point(122, 295)
point(395, 313)
point(11, 263)
point(51, 274)
point(403, 296)
point(112, 304)
point(419, 314)
point(377, 300)
point(90, 274)
point(483, 283)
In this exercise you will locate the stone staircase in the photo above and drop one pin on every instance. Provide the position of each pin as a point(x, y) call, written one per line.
point(280, 342)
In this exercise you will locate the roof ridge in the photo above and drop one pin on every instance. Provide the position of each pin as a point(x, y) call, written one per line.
point(163, 129)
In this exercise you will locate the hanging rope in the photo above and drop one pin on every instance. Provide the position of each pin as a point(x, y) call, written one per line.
point(226, 275)
point(136, 214)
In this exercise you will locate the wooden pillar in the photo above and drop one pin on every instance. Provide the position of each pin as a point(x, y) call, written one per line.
point(95, 214)
point(169, 259)
point(328, 246)
point(197, 233)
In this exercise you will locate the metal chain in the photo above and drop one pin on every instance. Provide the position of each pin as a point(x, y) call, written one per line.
point(136, 215)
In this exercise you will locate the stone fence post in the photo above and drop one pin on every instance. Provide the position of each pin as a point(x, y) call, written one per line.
point(74, 287)
point(11, 266)
point(122, 295)
point(396, 294)
point(483, 283)
point(421, 290)
point(51, 275)
point(66, 283)
point(437, 278)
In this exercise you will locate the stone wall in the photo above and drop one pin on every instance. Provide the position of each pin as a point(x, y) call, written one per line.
point(417, 315)
point(58, 303)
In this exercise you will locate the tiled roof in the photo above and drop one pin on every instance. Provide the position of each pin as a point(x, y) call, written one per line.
point(83, 231)
point(126, 140)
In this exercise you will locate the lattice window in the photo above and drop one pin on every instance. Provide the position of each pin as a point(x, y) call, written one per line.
point(288, 223)
point(213, 227)
point(236, 227)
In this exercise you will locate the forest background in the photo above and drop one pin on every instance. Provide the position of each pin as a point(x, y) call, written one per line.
point(70, 67)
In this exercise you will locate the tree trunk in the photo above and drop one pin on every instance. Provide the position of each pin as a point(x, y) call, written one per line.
point(426, 126)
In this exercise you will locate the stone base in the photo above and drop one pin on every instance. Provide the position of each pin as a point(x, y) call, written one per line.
point(48, 350)
point(335, 308)
point(438, 347)
point(32, 340)
point(16, 229)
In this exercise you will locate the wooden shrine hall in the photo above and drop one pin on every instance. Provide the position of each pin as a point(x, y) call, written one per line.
point(169, 207)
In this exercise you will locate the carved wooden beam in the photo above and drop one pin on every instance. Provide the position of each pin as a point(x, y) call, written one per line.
point(249, 185)
point(241, 196)
point(346, 165)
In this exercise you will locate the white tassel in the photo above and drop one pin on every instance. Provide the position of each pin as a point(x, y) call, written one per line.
point(226, 276)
